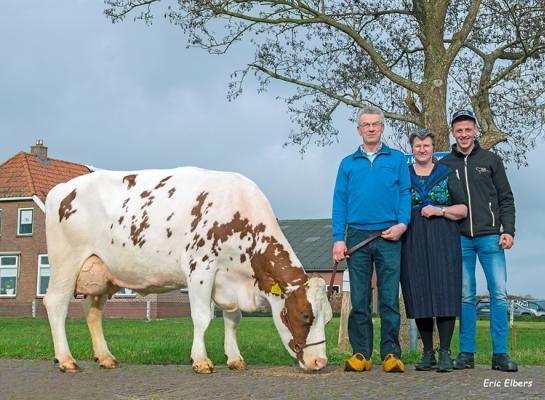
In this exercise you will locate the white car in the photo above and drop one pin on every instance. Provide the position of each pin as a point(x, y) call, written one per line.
point(538, 306)
point(520, 307)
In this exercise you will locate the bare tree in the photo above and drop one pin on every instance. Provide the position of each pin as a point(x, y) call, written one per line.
point(417, 60)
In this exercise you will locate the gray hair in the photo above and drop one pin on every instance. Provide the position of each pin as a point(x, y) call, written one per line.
point(371, 110)
point(422, 134)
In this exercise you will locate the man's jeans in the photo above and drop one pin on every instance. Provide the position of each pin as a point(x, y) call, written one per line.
point(386, 255)
point(492, 258)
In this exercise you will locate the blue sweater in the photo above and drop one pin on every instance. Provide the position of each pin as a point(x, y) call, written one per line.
point(371, 196)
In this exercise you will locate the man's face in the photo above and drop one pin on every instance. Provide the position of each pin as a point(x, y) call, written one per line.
point(370, 129)
point(464, 132)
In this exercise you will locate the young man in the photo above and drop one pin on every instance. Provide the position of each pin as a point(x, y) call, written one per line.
point(486, 232)
point(372, 196)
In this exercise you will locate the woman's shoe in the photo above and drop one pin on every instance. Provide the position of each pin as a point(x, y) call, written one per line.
point(427, 362)
point(444, 364)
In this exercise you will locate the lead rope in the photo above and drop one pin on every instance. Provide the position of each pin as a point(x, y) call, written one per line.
point(348, 253)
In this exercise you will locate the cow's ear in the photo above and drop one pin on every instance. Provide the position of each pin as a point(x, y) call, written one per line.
point(268, 283)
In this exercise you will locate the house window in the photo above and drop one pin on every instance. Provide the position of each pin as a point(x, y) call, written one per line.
point(124, 292)
point(43, 274)
point(8, 275)
point(24, 221)
point(336, 288)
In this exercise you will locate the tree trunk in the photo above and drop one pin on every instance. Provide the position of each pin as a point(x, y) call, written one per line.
point(435, 115)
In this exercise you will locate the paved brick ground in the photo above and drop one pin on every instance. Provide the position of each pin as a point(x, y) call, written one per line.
point(27, 379)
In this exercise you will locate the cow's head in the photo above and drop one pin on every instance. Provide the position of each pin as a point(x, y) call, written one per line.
point(302, 324)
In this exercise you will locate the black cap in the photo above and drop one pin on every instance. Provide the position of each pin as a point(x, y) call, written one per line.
point(465, 114)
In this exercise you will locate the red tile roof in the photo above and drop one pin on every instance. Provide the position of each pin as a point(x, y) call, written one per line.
point(25, 175)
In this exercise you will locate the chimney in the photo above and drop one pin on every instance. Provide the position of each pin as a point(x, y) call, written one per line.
point(39, 150)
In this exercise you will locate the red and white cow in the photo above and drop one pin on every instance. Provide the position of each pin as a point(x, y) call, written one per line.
point(158, 230)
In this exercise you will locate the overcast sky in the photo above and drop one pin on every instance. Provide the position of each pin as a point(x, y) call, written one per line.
point(129, 97)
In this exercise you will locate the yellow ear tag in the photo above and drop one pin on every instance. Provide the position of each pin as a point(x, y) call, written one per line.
point(275, 289)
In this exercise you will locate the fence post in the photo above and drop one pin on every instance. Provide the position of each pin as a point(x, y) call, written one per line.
point(413, 335)
point(148, 310)
point(513, 329)
point(346, 305)
point(33, 308)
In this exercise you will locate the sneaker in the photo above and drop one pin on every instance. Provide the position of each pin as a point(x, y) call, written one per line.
point(427, 362)
point(392, 364)
point(445, 362)
point(358, 363)
point(463, 361)
point(502, 362)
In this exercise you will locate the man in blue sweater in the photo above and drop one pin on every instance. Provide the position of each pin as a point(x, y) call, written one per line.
point(372, 196)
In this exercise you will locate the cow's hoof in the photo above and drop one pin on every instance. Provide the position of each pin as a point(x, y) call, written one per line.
point(70, 367)
point(238, 365)
point(203, 367)
point(109, 363)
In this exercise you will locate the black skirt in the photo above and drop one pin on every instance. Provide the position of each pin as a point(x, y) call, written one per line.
point(431, 267)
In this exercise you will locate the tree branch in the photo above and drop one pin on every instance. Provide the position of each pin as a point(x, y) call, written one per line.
point(501, 75)
point(318, 17)
point(329, 93)
point(126, 7)
point(459, 38)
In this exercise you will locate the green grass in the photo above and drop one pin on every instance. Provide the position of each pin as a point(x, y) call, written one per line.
point(169, 341)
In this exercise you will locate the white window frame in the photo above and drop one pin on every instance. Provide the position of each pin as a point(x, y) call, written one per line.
point(19, 211)
point(17, 256)
point(128, 293)
point(39, 275)
point(338, 287)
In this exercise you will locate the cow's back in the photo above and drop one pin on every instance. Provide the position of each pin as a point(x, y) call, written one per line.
point(144, 224)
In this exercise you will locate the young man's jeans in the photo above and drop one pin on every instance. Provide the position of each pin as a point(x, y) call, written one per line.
point(386, 256)
point(492, 259)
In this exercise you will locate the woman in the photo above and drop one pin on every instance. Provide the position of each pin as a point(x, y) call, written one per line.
point(431, 259)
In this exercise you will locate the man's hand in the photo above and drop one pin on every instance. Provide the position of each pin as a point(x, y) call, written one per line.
point(394, 232)
point(506, 241)
point(339, 251)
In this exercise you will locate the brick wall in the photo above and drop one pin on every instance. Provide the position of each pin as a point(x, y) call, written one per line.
point(172, 304)
point(13, 308)
point(29, 246)
point(120, 308)
point(168, 310)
